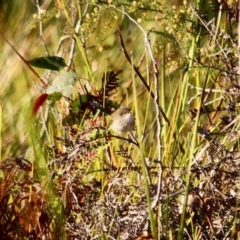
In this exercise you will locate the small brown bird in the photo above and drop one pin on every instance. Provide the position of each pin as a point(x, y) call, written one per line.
point(122, 120)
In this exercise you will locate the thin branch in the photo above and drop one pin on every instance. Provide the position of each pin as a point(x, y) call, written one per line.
point(25, 61)
point(77, 28)
point(40, 11)
point(140, 76)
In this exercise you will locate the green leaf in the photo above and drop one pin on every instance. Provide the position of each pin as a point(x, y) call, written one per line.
point(52, 63)
point(76, 104)
point(55, 96)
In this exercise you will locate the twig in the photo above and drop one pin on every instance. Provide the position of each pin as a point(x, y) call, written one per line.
point(41, 27)
point(26, 62)
point(140, 76)
point(210, 32)
point(77, 28)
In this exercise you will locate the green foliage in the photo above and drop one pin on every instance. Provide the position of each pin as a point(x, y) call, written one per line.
point(51, 62)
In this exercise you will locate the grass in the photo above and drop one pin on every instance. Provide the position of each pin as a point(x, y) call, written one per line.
point(65, 175)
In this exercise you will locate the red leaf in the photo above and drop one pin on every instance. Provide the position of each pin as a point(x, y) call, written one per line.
point(39, 102)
